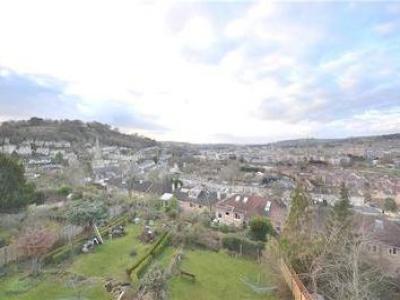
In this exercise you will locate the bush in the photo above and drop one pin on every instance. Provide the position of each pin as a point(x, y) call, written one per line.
point(64, 190)
point(260, 227)
point(242, 245)
point(84, 212)
point(390, 204)
point(61, 255)
point(223, 227)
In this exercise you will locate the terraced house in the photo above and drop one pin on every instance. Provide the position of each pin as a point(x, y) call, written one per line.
point(238, 210)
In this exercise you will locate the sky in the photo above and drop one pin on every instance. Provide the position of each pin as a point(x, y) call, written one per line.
point(205, 72)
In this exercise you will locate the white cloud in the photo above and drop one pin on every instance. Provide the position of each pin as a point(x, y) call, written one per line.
point(198, 34)
point(369, 122)
point(385, 28)
point(124, 52)
point(251, 21)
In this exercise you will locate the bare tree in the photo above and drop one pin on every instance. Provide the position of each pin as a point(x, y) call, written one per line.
point(35, 243)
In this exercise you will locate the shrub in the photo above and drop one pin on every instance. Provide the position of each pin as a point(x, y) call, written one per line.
point(64, 190)
point(62, 255)
point(154, 283)
point(260, 227)
point(242, 245)
point(84, 212)
point(390, 204)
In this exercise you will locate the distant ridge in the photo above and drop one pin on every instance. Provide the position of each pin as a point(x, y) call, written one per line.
point(74, 131)
point(355, 140)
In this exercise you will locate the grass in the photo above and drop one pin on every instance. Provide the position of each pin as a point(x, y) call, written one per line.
point(218, 276)
point(112, 258)
point(107, 261)
point(5, 234)
point(164, 258)
point(48, 287)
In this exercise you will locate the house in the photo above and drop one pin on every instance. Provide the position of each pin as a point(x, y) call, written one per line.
point(238, 210)
point(197, 199)
point(146, 165)
point(382, 242)
point(138, 187)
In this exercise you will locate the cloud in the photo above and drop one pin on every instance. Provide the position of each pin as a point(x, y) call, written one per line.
point(201, 72)
point(23, 96)
point(197, 34)
point(386, 28)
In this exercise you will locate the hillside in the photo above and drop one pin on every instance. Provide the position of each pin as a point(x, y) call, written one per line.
point(334, 142)
point(74, 131)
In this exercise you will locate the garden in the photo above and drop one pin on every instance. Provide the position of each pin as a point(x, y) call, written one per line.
point(84, 243)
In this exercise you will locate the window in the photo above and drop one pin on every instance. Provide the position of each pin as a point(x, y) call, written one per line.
point(227, 213)
point(191, 204)
point(237, 216)
point(374, 248)
point(199, 205)
point(394, 251)
point(219, 215)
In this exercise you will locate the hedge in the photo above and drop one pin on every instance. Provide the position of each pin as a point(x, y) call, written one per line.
point(141, 264)
point(241, 244)
point(156, 251)
point(62, 252)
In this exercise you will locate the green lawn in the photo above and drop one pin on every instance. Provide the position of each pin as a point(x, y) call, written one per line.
point(218, 276)
point(108, 260)
point(164, 259)
point(17, 288)
point(112, 258)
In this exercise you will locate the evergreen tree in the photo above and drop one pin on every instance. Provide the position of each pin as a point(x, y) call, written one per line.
point(341, 212)
point(299, 209)
point(15, 192)
point(260, 227)
point(297, 242)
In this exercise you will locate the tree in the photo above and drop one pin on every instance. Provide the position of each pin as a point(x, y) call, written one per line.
point(343, 271)
point(86, 212)
point(59, 159)
point(297, 241)
point(260, 227)
point(130, 184)
point(172, 209)
point(390, 204)
point(342, 208)
point(299, 209)
point(231, 171)
point(35, 243)
point(15, 192)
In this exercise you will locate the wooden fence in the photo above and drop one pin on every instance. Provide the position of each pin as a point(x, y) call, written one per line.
point(298, 289)
point(10, 254)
